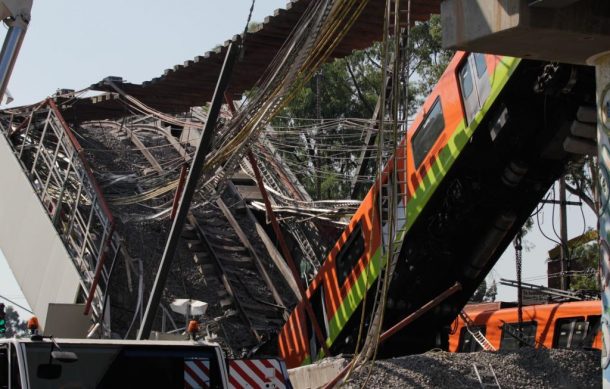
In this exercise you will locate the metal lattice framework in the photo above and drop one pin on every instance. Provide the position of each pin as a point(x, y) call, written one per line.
point(53, 159)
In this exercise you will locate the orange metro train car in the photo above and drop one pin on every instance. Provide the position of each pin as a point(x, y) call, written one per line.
point(573, 325)
point(473, 165)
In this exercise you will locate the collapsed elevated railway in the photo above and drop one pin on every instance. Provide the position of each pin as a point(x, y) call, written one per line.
point(491, 138)
point(225, 257)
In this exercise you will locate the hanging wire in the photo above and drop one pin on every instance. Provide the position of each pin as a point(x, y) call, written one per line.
point(389, 199)
point(518, 262)
point(243, 41)
point(376, 214)
point(542, 231)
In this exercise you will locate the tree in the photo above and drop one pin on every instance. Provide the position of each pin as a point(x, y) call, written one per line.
point(14, 326)
point(582, 180)
point(319, 151)
point(327, 155)
point(491, 292)
point(585, 257)
point(484, 294)
point(479, 294)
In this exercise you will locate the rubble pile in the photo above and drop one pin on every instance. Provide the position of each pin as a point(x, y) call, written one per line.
point(526, 368)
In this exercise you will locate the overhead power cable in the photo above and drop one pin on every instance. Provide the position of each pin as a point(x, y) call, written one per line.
point(15, 304)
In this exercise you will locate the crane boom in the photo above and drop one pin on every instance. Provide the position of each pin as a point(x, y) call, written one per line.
point(16, 15)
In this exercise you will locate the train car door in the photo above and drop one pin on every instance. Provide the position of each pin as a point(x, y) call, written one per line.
point(474, 84)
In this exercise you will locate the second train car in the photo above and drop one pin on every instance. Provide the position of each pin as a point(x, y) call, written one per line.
point(477, 159)
point(572, 325)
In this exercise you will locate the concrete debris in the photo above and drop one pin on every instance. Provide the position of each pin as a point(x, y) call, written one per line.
point(526, 368)
point(316, 375)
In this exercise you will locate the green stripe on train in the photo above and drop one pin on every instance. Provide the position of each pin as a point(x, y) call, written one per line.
point(426, 188)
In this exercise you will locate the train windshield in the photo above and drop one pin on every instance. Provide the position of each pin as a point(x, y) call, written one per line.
point(122, 366)
point(510, 338)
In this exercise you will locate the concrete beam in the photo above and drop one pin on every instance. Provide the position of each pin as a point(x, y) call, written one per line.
point(34, 251)
point(570, 34)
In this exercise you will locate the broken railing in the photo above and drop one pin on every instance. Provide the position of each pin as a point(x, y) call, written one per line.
point(53, 159)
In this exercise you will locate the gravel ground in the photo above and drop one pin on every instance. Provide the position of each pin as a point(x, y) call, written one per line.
point(526, 368)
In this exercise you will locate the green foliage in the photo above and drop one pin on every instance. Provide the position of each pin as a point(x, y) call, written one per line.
point(585, 257)
point(343, 88)
point(484, 294)
point(13, 326)
point(479, 293)
point(582, 180)
point(349, 88)
point(254, 26)
point(428, 58)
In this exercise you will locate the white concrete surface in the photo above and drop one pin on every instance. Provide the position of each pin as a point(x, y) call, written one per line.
point(33, 249)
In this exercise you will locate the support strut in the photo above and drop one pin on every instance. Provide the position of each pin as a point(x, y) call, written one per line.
point(280, 237)
point(287, 255)
point(203, 149)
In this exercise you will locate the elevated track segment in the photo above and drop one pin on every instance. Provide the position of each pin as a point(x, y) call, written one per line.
point(179, 88)
point(479, 156)
point(192, 82)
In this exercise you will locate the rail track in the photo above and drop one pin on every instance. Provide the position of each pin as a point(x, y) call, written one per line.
point(231, 266)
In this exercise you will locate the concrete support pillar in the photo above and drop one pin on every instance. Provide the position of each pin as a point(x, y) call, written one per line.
point(602, 72)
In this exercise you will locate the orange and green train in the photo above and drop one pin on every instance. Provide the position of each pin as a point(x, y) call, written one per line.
point(481, 153)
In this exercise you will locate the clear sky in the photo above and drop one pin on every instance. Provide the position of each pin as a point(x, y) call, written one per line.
point(536, 245)
point(74, 43)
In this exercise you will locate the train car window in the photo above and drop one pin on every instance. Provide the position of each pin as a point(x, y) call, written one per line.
point(570, 332)
point(481, 80)
point(474, 84)
point(467, 342)
point(349, 254)
point(428, 132)
point(509, 342)
point(466, 81)
point(319, 309)
point(480, 64)
point(592, 331)
point(470, 99)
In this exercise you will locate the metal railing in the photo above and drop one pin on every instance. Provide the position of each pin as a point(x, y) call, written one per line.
point(54, 161)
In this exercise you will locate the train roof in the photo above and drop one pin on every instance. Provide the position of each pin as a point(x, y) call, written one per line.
point(509, 306)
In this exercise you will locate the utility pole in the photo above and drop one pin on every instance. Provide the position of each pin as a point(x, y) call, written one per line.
point(563, 220)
